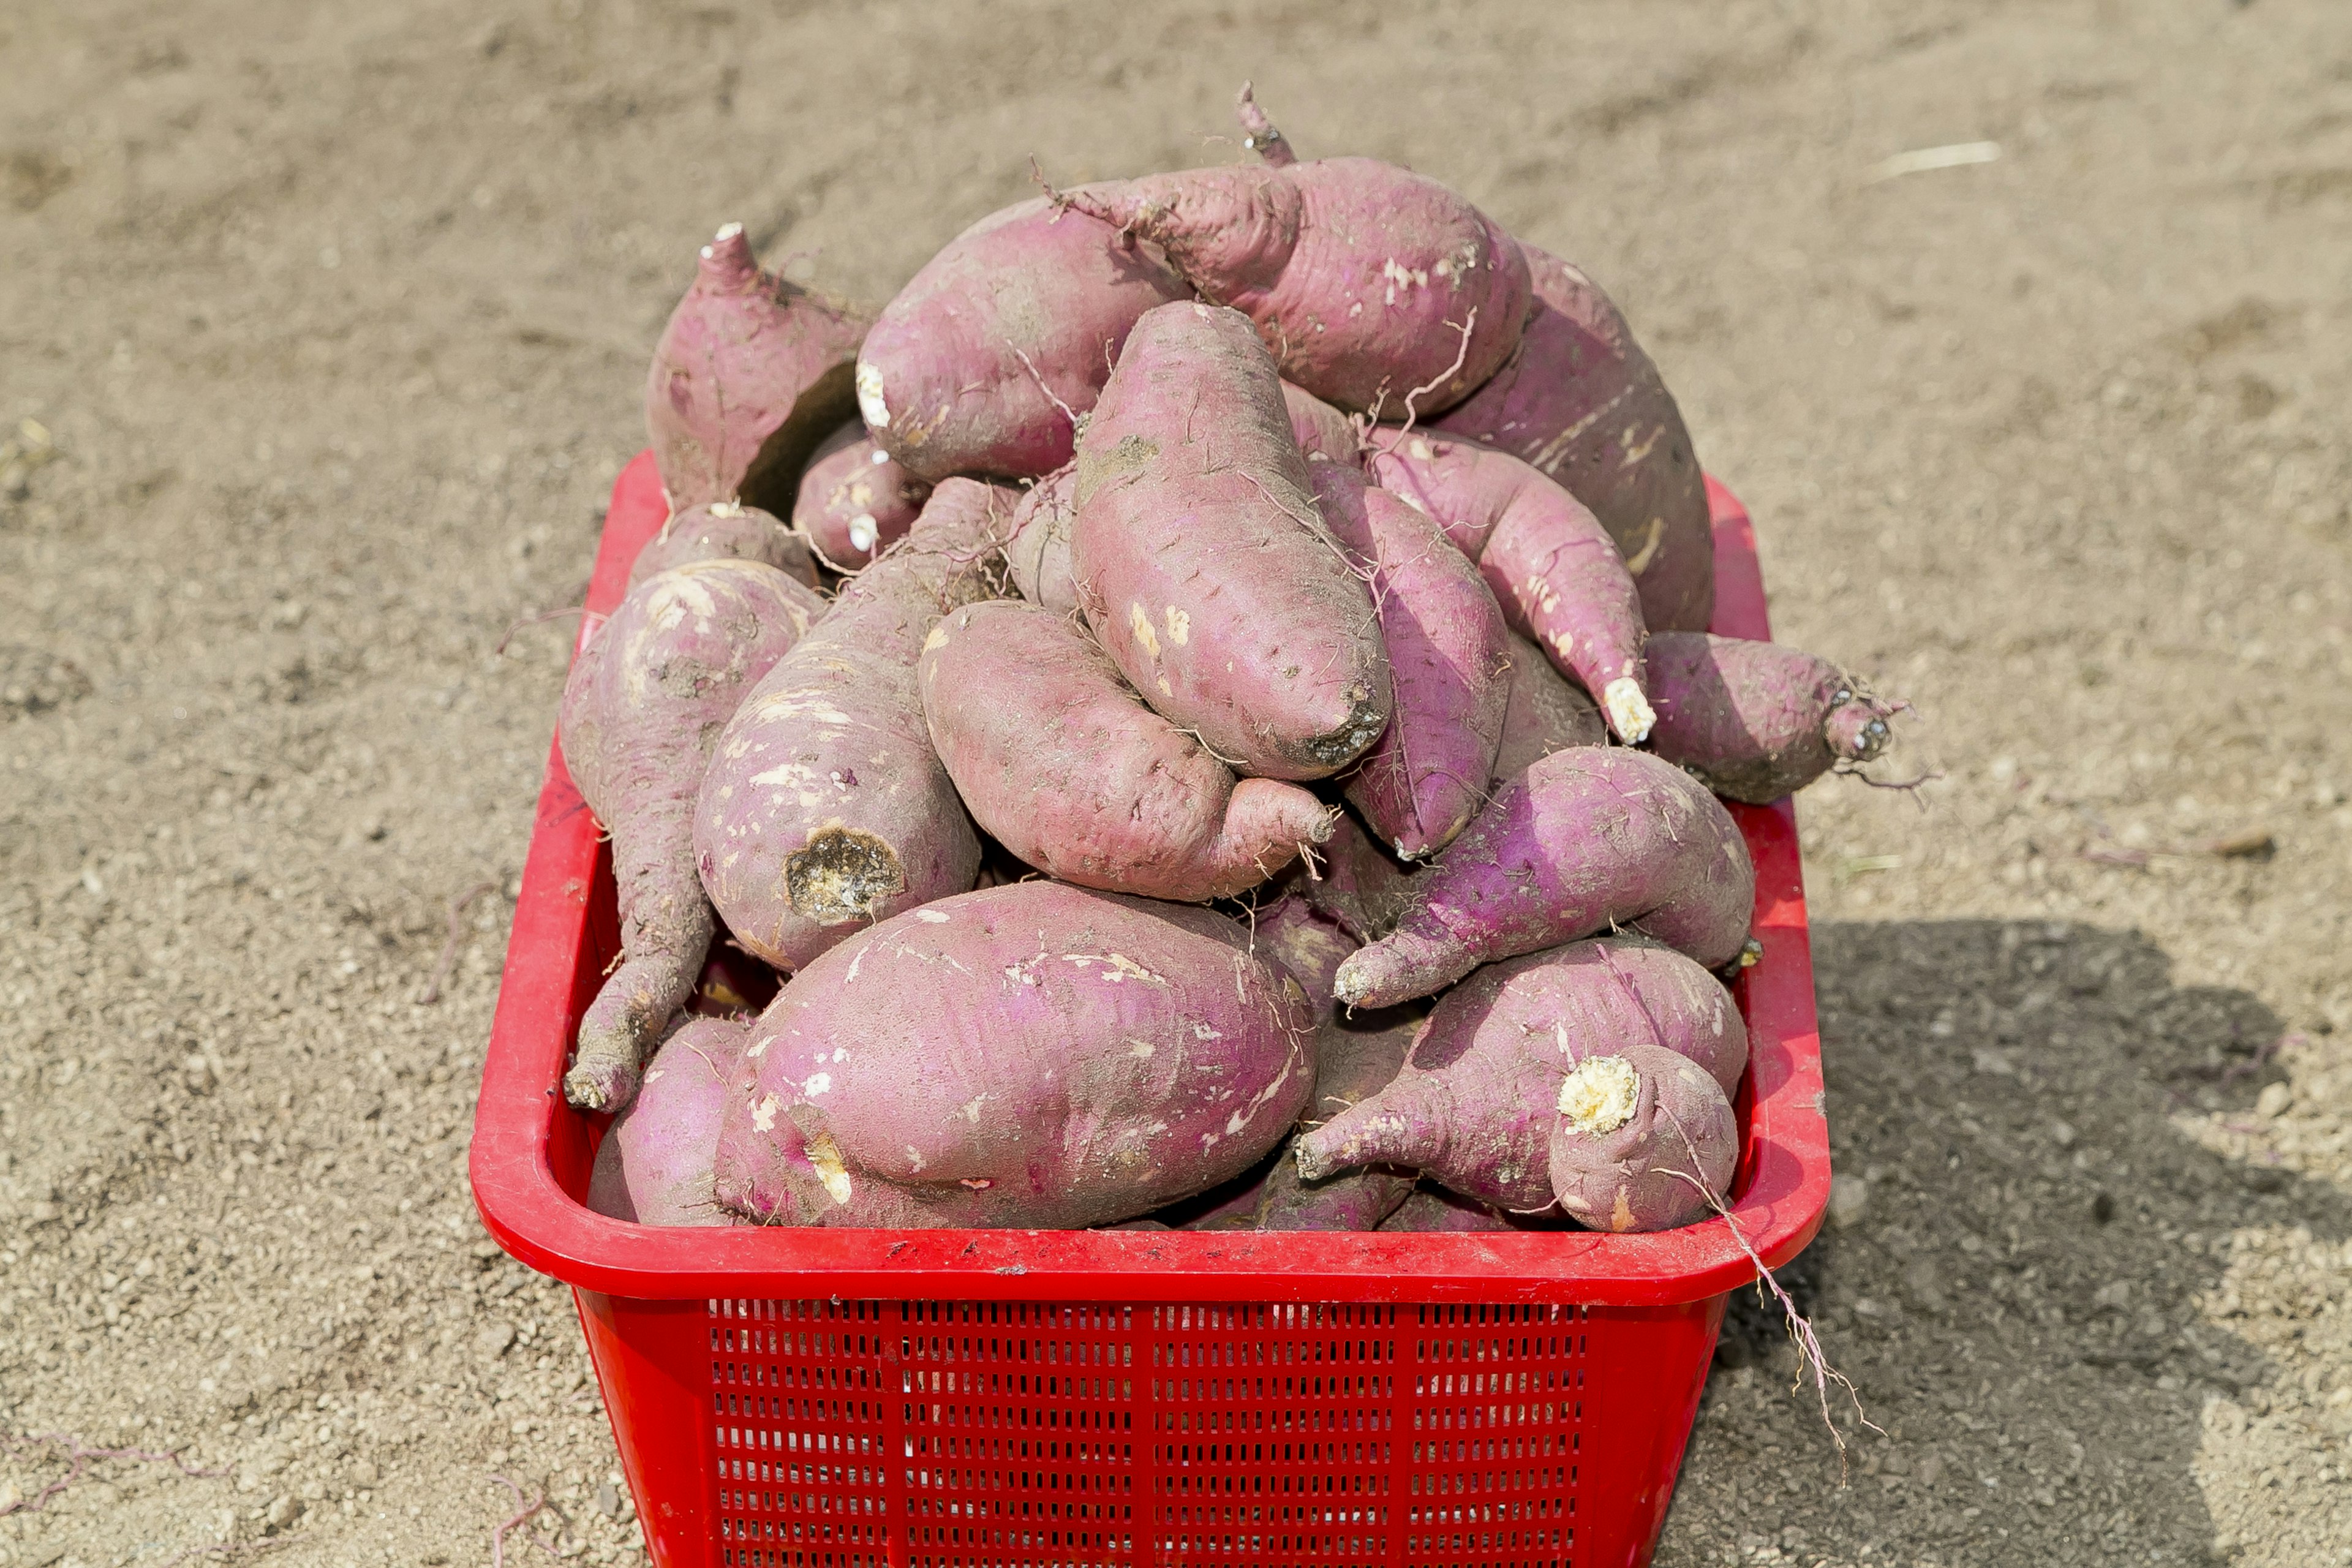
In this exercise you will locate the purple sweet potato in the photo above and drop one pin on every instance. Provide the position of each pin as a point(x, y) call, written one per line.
point(1580, 842)
point(644, 704)
point(750, 374)
point(990, 354)
point(1353, 882)
point(1202, 566)
point(1642, 1138)
point(1550, 563)
point(655, 1166)
point(721, 531)
point(1544, 714)
point(1580, 400)
point(1475, 1105)
point(1449, 667)
point(1321, 430)
point(1432, 1210)
point(1757, 720)
point(1379, 288)
point(1056, 757)
point(854, 501)
point(1029, 1056)
point(824, 808)
point(1039, 555)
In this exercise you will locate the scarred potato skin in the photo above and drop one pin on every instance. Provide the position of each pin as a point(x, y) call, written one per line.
point(1582, 841)
point(655, 1166)
point(1039, 555)
point(1058, 758)
point(1449, 674)
point(1758, 721)
point(1545, 713)
point(1031, 1055)
point(724, 531)
point(642, 707)
point(1655, 1171)
point(750, 374)
point(1367, 281)
point(854, 501)
point(824, 807)
point(1580, 400)
point(985, 357)
point(1202, 566)
point(1474, 1105)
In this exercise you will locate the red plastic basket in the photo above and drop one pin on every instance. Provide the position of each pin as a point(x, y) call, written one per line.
point(849, 1397)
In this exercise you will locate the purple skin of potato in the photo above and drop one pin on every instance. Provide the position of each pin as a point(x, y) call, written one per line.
point(1582, 841)
point(1544, 714)
point(1449, 669)
point(655, 1166)
point(641, 708)
point(1580, 400)
point(1636, 1136)
point(1321, 430)
point(1376, 286)
point(1476, 1102)
point(824, 807)
point(985, 357)
point(1554, 569)
point(1354, 883)
point(1758, 721)
point(724, 531)
point(1202, 566)
point(1056, 757)
point(750, 374)
point(1108, 1056)
point(1039, 555)
point(1433, 1210)
point(854, 501)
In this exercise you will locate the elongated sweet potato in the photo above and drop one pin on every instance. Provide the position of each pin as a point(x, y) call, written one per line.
point(1039, 555)
point(1551, 566)
point(1757, 720)
point(1545, 713)
point(1029, 1056)
point(644, 704)
point(1354, 882)
point(824, 808)
point(655, 1164)
point(990, 355)
point(1202, 562)
point(1476, 1102)
point(1432, 1210)
point(854, 501)
point(750, 374)
point(1641, 1138)
point(1376, 287)
point(1056, 755)
point(1449, 667)
point(1321, 430)
point(1582, 841)
point(725, 530)
point(1580, 400)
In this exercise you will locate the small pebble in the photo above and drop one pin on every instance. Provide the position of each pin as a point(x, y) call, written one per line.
point(2273, 1100)
point(1849, 1198)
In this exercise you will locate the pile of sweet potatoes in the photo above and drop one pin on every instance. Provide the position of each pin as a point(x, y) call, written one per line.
point(1203, 702)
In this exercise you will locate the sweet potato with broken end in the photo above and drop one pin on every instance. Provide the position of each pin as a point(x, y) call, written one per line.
point(1553, 567)
point(1580, 400)
point(750, 374)
point(1757, 720)
point(1642, 1138)
point(1544, 714)
point(1474, 1105)
point(824, 807)
point(723, 530)
point(655, 1166)
point(854, 501)
point(1039, 555)
point(1449, 667)
point(1202, 565)
point(641, 708)
point(1379, 288)
point(990, 355)
point(1029, 1056)
point(1056, 757)
point(1580, 842)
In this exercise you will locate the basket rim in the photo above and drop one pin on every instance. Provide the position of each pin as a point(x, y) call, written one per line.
point(1779, 1193)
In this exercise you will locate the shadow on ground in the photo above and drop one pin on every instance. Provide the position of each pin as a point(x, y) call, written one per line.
point(2031, 1295)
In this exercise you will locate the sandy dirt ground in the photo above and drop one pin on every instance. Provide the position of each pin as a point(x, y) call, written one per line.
point(331, 320)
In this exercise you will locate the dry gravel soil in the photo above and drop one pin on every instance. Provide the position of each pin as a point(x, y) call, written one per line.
point(333, 315)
